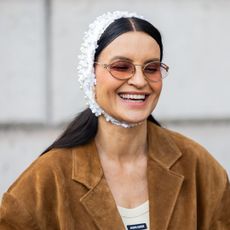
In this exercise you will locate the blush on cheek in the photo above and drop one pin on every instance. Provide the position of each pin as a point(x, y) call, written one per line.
point(156, 87)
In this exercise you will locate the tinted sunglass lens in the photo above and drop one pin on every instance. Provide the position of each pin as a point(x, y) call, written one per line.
point(153, 71)
point(121, 69)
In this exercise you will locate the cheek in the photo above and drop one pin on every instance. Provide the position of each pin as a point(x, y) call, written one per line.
point(99, 83)
point(103, 87)
point(98, 75)
point(156, 87)
point(105, 83)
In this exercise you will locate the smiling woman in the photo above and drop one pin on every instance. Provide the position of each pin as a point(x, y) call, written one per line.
point(115, 167)
point(133, 96)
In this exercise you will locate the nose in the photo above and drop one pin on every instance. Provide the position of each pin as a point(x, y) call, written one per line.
point(138, 79)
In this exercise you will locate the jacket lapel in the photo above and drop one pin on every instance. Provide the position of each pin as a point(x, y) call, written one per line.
point(101, 206)
point(164, 188)
point(98, 201)
point(164, 184)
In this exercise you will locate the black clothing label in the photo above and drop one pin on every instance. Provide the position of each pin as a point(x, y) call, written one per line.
point(137, 226)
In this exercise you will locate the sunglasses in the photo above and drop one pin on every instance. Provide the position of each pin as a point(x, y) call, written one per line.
point(153, 71)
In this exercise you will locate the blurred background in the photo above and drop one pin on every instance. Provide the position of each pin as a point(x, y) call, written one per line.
point(39, 91)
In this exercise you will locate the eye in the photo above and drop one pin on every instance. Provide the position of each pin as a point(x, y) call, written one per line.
point(121, 66)
point(152, 67)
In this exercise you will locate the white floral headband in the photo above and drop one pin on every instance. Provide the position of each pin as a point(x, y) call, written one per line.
point(85, 68)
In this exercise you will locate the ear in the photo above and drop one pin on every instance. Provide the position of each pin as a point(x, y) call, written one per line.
point(94, 90)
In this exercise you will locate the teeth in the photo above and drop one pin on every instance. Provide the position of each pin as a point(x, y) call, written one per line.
point(133, 96)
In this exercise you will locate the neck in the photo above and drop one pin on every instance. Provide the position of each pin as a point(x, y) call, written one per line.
point(121, 144)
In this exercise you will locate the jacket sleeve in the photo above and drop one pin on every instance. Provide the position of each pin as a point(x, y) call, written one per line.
point(221, 217)
point(13, 215)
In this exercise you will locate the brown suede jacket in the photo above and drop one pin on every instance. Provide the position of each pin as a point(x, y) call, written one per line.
point(65, 190)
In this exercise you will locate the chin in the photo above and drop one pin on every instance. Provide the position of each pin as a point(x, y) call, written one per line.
point(130, 117)
point(133, 120)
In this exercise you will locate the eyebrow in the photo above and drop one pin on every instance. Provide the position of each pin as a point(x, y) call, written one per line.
point(121, 58)
point(130, 60)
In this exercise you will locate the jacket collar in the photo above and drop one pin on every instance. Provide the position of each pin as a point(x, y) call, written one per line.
point(87, 168)
point(164, 184)
point(162, 148)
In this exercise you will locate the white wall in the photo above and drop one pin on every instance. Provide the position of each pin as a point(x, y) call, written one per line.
point(22, 66)
point(39, 43)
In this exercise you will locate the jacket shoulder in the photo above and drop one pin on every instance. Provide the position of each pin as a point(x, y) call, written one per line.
point(193, 150)
point(42, 175)
point(197, 161)
point(206, 176)
point(36, 186)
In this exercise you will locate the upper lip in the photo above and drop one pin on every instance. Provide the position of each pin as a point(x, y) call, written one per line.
point(135, 93)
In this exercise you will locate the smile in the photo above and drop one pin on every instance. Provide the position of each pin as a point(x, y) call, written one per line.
point(133, 97)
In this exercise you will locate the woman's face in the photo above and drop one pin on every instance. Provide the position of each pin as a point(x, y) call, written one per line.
point(121, 98)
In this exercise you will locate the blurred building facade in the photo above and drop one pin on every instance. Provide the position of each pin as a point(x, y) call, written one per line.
point(39, 91)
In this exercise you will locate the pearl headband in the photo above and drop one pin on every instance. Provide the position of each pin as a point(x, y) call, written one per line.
point(85, 68)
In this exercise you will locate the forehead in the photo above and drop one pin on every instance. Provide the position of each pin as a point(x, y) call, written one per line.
point(134, 45)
